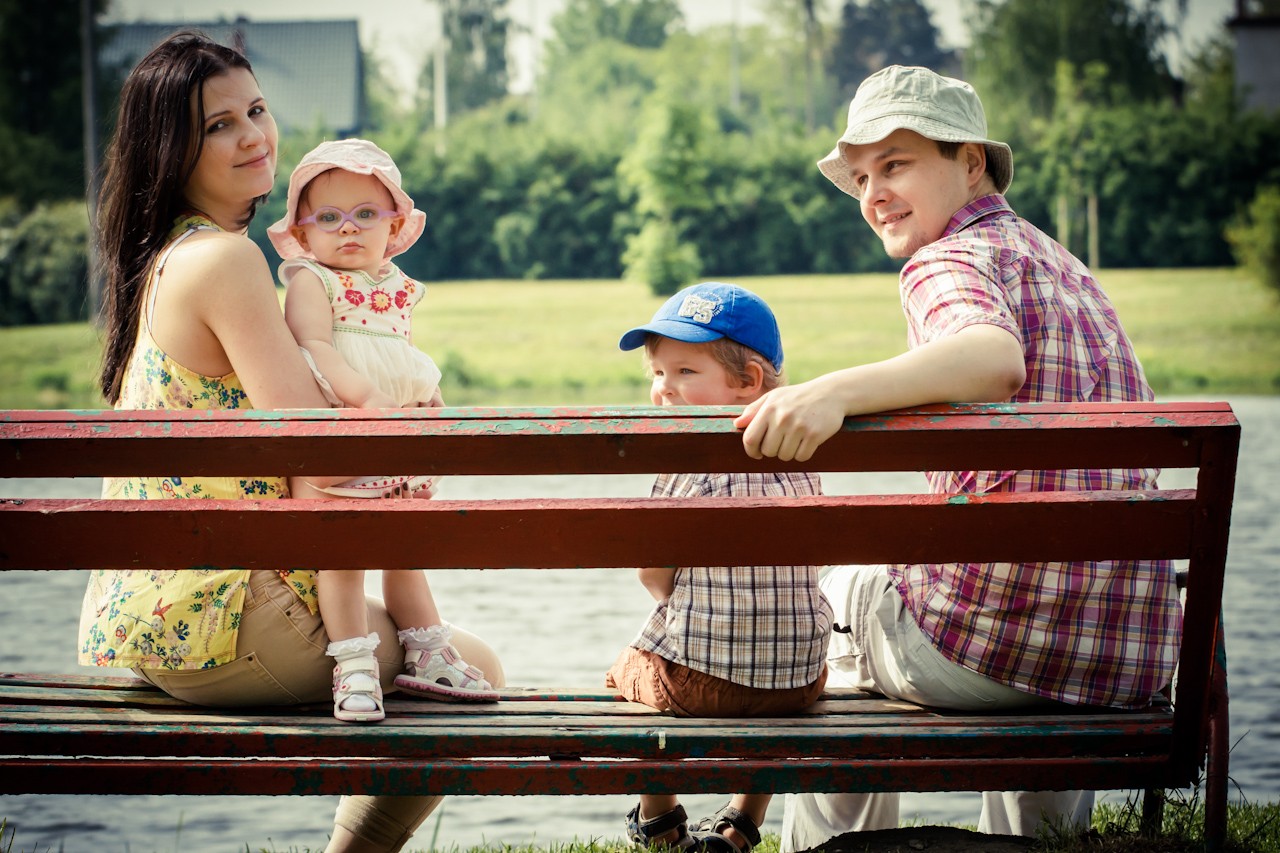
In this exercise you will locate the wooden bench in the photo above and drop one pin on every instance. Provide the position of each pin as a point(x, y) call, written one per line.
point(94, 734)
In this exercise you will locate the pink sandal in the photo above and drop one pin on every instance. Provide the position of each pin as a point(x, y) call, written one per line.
point(357, 677)
point(443, 675)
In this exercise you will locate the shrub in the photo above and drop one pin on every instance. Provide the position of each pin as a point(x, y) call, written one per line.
point(44, 266)
point(1255, 238)
point(659, 258)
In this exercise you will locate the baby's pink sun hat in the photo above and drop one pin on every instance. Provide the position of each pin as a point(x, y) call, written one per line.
point(363, 158)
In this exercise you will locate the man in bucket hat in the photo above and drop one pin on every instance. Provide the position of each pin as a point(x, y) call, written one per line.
point(996, 311)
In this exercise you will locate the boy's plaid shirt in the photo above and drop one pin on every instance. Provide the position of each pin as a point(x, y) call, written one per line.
point(760, 626)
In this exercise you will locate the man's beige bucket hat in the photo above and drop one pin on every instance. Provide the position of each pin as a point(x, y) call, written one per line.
point(908, 98)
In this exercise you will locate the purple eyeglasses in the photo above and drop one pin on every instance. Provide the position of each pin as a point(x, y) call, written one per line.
point(363, 216)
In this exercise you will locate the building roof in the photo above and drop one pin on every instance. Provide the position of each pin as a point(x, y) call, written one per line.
point(310, 71)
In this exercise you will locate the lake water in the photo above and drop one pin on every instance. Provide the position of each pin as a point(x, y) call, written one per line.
point(563, 628)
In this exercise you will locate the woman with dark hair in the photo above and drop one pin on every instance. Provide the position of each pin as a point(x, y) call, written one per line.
point(193, 322)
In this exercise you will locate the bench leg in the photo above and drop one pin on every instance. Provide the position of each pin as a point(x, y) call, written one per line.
point(1216, 779)
point(1152, 812)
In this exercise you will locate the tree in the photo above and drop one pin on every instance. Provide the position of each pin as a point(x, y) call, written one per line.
point(1016, 45)
point(667, 173)
point(877, 33)
point(382, 93)
point(41, 136)
point(476, 65)
point(584, 23)
point(601, 88)
point(603, 59)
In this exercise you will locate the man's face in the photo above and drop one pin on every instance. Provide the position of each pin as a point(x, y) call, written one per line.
point(909, 191)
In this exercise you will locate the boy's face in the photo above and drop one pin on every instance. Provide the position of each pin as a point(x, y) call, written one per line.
point(687, 374)
point(909, 191)
point(350, 247)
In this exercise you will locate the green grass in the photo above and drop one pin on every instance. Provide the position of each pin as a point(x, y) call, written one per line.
point(49, 367)
point(1251, 828)
point(1199, 331)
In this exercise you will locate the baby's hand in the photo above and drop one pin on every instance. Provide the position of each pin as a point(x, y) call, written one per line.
point(378, 400)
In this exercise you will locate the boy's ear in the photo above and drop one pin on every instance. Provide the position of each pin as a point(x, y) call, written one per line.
point(755, 380)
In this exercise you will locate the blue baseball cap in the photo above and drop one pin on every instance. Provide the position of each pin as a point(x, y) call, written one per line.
point(710, 311)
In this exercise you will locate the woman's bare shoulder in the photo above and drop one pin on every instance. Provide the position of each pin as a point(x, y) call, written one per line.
point(231, 260)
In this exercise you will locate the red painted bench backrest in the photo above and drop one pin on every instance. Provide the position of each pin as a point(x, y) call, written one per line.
point(1190, 524)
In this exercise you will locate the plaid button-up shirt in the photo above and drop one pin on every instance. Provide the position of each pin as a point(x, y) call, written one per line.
point(759, 626)
point(1097, 633)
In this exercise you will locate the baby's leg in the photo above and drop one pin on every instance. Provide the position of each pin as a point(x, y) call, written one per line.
point(433, 666)
point(408, 598)
point(342, 606)
point(357, 695)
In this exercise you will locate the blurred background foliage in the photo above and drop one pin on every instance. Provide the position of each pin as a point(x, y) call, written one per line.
point(650, 152)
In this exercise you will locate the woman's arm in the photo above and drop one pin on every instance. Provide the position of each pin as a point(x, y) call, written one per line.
point(217, 312)
point(310, 317)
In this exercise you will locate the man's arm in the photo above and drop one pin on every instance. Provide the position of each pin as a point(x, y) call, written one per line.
point(978, 364)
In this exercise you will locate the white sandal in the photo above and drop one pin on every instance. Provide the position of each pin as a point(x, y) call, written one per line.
point(379, 487)
point(357, 677)
point(443, 675)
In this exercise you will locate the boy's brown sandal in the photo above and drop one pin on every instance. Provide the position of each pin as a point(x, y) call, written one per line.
point(649, 833)
point(708, 833)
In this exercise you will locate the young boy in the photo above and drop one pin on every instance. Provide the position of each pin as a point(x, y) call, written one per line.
point(738, 641)
point(996, 311)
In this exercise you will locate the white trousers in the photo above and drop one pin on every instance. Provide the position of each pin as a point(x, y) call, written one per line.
point(886, 652)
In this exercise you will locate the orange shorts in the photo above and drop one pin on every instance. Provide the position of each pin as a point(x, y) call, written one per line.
point(659, 683)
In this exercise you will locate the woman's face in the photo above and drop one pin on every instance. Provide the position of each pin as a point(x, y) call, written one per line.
point(238, 160)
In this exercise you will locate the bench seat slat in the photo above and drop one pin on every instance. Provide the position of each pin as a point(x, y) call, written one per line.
point(408, 714)
point(54, 703)
point(835, 743)
point(136, 719)
point(615, 532)
point(397, 776)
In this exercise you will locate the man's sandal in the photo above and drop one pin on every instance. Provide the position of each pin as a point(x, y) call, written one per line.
point(443, 675)
point(650, 833)
point(709, 833)
point(357, 677)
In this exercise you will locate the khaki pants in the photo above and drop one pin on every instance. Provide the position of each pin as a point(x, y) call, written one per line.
point(281, 661)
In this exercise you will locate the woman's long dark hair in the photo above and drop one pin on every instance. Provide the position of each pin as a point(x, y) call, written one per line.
point(157, 141)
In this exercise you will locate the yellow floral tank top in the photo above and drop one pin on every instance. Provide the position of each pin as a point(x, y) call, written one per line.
point(185, 619)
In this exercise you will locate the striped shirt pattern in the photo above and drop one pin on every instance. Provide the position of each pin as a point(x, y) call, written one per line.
point(1096, 633)
point(759, 626)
